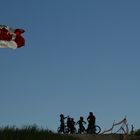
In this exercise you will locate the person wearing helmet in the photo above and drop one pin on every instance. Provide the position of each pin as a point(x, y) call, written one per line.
point(81, 123)
point(91, 123)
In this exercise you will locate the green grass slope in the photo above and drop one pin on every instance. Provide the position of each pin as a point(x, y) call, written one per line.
point(30, 133)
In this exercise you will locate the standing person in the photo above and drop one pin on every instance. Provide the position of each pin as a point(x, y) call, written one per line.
point(81, 123)
point(91, 123)
point(62, 123)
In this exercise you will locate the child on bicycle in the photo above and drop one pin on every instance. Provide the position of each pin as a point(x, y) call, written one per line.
point(81, 123)
point(62, 123)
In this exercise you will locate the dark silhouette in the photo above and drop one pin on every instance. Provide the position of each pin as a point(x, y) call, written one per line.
point(81, 123)
point(72, 129)
point(91, 123)
point(70, 125)
point(62, 123)
point(132, 129)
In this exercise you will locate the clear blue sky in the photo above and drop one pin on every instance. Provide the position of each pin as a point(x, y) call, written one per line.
point(80, 56)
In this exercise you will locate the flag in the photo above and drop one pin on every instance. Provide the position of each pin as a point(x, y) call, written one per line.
point(11, 38)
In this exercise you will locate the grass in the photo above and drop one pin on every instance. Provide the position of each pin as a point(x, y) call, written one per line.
point(137, 132)
point(30, 133)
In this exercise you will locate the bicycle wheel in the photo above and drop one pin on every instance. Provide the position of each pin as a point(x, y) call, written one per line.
point(60, 130)
point(97, 129)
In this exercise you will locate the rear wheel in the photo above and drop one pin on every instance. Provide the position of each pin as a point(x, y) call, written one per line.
point(93, 129)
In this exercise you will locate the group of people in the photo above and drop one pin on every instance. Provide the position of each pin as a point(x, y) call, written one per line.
point(68, 126)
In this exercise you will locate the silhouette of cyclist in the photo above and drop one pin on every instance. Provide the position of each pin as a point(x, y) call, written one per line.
point(81, 123)
point(68, 124)
point(62, 123)
point(91, 123)
point(72, 126)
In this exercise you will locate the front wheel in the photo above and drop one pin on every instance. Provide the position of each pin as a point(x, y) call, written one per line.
point(60, 130)
point(97, 129)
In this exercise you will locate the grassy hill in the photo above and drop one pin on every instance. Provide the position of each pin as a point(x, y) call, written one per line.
point(35, 133)
point(30, 133)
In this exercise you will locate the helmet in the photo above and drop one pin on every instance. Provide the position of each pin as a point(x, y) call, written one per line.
point(61, 115)
point(81, 118)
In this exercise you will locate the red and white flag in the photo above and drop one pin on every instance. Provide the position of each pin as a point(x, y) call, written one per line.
point(11, 38)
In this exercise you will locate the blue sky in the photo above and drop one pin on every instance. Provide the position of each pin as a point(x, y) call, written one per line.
point(79, 56)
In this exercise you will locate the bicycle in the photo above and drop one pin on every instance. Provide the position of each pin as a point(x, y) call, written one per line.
point(82, 130)
point(66, 130)
point(93, 129)
point(62, 130)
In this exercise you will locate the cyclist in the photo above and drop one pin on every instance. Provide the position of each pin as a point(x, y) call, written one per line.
point(62, 123)
point(68, 124)
point(72, 129)
point(91, 123)
point(81, 126)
